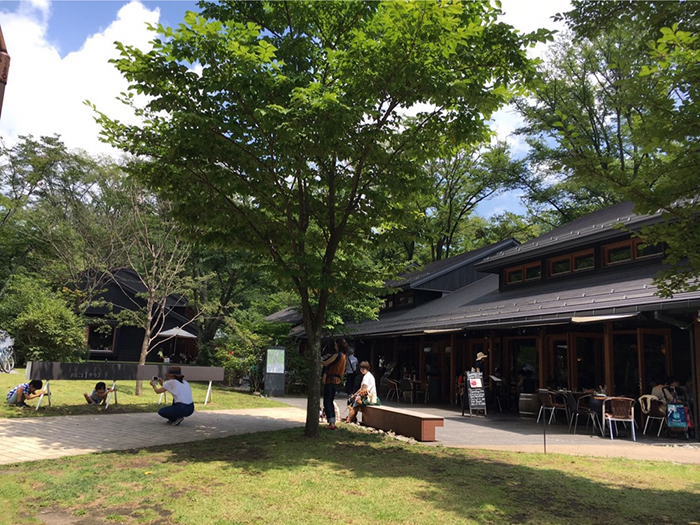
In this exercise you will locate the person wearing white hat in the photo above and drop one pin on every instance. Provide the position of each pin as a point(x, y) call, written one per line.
point(480, 365)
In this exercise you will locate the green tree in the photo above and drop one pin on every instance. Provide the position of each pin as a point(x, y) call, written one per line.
point(283, 126)
point(621, 104)
point(41, 322)
point(462, 181)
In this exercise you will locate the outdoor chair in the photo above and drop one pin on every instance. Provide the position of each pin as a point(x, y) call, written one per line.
point(551, 403)
point(459, 393)
point(580, 408)
point(406, 390)
point(421, 389)
point(652, 409)
point(393, 389)
point(619, 409)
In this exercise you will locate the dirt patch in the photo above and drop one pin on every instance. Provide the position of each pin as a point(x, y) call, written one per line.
point(104, 516)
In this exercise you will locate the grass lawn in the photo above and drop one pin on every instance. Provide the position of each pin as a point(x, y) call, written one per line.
point(348, 476)
point(67, 398)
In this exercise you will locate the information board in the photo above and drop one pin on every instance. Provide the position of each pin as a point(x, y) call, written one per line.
point(476, 392)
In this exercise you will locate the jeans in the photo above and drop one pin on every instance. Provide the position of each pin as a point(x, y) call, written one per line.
point(176, 410)
point(328, 398)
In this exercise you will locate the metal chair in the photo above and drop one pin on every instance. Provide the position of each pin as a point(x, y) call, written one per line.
point(579, 408)
point(619, 409)
point(652, 409)
point(548, 401)
point(393, 389)
point(421, 389)
point(406, 389)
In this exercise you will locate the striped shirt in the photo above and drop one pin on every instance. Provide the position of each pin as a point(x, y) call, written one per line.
point(23, 386)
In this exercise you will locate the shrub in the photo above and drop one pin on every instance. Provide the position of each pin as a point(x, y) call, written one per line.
point(43, 326)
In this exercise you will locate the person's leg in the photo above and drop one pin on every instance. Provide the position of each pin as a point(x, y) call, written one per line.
point(12, 400)
point(169, 412)
point(328, 398)
point(88, 398)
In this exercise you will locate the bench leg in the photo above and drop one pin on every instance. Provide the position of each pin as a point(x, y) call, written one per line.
point(206, 399)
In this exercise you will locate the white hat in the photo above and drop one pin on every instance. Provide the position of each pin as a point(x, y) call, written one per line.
point(480, 356)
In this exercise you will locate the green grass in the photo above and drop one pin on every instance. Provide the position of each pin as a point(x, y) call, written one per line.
point(348, 476)
point(67, 398)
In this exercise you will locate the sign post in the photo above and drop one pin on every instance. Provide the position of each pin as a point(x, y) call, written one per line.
point(475, 393)
point(274, 372)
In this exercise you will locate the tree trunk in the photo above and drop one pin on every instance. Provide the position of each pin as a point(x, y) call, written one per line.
point(145, 343)
point(314, 385)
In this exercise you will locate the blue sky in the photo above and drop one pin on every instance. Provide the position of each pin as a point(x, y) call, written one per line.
point(60, 51)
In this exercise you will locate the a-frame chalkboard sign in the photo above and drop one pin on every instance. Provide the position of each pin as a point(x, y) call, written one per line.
point(475, 394)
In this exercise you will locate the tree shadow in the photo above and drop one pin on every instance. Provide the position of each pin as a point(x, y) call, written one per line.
point(467, 484)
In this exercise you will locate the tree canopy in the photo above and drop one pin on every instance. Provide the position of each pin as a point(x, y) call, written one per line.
point(615, 117)
point(298, 129)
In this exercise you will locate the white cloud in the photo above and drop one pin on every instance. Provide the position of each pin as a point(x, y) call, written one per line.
point(45, 93)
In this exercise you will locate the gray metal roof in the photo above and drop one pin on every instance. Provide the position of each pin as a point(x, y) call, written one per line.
point(421, 278)
point(599, 225)
point(624, 289)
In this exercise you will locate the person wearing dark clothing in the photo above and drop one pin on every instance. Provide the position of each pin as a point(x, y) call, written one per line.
point(480, 365)
point(350, 372)
point(334, 368)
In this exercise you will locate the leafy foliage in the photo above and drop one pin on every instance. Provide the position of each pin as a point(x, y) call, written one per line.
point(40, 321)
point(282, 127)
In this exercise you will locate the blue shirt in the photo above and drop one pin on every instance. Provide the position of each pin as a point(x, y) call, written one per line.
point(23, 386)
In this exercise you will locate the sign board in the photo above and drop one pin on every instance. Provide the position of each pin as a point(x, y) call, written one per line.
point(475, 392)
point(275, 360)
point(116, 371)
point(274, 372)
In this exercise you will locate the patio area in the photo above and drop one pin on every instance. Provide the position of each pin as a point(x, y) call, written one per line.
point(508, 431)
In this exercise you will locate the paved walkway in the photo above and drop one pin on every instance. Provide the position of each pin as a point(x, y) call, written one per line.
point(31, 439)
point(36, 438)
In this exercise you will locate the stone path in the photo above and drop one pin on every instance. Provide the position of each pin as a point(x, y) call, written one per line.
point(31, 439)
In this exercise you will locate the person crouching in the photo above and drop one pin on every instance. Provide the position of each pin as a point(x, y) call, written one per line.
point(183, 404)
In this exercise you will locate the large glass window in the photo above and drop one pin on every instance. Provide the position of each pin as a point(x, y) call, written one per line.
point(101, 339)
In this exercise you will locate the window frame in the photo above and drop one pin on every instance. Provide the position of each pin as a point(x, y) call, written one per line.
point(571, 257)
point(633, 245)
point(523, 268)
point(103, 351)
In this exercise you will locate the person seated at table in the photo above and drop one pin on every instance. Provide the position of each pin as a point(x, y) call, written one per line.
point(664, 391)
point(99, 395)
point(527, 383)
point(366, 395)
point(19, 394)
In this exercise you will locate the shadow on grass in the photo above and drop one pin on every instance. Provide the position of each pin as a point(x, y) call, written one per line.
point(480, 486)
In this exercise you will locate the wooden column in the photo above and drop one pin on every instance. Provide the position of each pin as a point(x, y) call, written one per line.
point(542, 361)
point(453, 364)
point(421, 358)
point(608, 359)
point(640, 361)
point(695, 349)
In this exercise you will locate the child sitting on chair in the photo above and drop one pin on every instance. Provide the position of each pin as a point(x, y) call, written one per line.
point(99, 395)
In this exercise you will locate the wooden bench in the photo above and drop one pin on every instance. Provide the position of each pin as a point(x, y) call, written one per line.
point(47, 371)
point(408, 423)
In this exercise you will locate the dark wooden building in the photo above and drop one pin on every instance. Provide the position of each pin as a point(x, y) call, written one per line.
point(109, 341)
point(576, 306)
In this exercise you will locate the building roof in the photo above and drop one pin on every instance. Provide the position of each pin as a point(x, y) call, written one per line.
point(627, 289)
point(599, 225)
point(290, 315)
point(421, 279)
